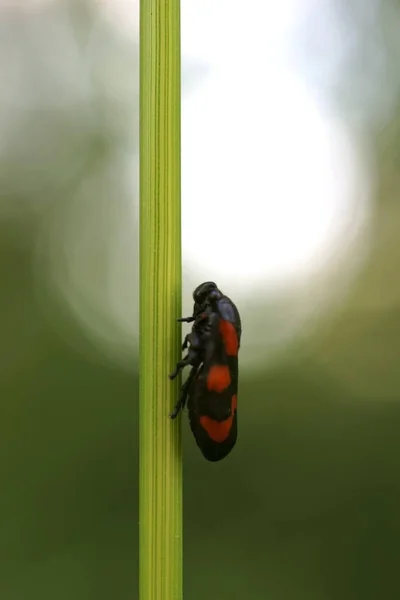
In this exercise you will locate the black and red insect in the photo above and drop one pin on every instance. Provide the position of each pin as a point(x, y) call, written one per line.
point(211, 388)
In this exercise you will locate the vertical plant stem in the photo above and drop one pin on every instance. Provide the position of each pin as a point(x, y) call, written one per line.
point(160, 496)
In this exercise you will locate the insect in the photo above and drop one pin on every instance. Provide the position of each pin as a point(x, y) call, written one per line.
point(212, 385)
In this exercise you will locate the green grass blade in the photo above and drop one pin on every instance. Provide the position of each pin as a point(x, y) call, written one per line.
point(160, 497)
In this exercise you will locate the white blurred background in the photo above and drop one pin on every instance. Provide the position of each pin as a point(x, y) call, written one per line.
point(285, 182)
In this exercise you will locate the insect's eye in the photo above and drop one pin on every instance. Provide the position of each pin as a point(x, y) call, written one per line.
point(214, 295)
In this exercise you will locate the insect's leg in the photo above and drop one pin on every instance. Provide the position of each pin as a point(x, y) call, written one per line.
point(185, 341)
point(184, 392)
point(193, 357)
point(186, 319)
point(181, 365)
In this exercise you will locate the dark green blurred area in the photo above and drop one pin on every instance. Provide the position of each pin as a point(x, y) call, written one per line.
point(308, 504)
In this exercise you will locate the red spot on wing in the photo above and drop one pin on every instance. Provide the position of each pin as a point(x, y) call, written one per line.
point(234, 404)
point(218, 431)
point(218, 378)
point(229, 336)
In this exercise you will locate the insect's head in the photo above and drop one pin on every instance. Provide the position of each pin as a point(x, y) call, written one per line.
point(206, 292)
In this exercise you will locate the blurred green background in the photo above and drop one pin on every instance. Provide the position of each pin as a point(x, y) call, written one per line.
point(307, 505)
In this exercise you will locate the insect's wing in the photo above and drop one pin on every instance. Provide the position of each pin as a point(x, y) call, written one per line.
point(212, 401)
point(230, 314)
point(213, 419)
